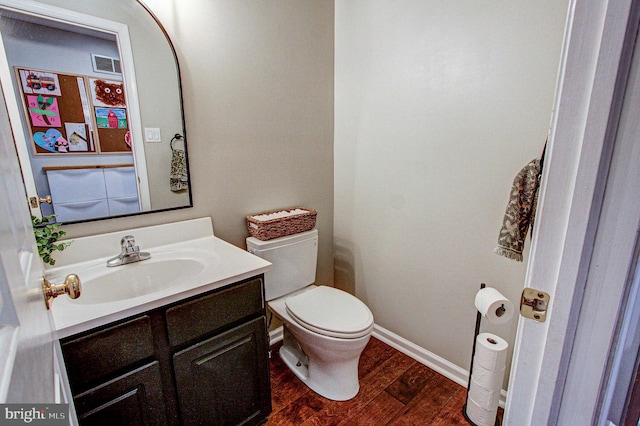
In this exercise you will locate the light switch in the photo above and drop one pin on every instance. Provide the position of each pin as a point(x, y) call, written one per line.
point(152, 134)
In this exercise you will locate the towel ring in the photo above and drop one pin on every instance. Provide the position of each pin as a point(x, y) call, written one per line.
point(177, 136)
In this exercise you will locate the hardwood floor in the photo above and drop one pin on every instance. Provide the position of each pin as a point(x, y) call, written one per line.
point(394, 390)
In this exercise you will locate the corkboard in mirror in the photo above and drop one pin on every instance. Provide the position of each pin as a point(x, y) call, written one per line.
point(73, 114)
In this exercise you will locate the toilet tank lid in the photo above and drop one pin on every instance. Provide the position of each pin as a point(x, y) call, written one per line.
point(254, 243)
point(330, 309)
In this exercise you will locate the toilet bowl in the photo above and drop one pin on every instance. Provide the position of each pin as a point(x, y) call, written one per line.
point(325, 329)
point(321, 350)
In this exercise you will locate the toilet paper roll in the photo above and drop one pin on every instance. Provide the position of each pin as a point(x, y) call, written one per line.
point(488, 379)
point(492, 305)
point(488, 399)
point(491, 351)
point(479, 415)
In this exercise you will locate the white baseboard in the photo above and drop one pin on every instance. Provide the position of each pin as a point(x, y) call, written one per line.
point(431, 360)
point(423, 356)
point(275, 336)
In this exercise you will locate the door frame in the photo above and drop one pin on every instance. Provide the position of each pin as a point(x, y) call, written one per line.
point(595, 61)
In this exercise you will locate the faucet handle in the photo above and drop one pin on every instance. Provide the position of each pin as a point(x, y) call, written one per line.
point(128, 243)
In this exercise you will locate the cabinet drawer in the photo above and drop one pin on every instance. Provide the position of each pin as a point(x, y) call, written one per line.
point(76, 185)
point(214, 311)
point(123, 205)
point(100, 354)
point(80, 210)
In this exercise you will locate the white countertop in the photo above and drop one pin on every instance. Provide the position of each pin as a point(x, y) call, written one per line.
point(227, 264)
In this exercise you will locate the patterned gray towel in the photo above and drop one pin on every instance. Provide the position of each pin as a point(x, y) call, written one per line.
point(178, 178)
point(521, 211)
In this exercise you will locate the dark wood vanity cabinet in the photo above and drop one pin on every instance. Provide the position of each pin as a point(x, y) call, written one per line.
point(201, 361)
point(231, 361)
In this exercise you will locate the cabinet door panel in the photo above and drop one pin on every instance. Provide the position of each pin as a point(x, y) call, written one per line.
point(225, 380)
point(135, 398)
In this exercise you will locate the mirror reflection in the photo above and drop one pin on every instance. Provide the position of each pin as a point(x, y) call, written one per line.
point(94, 95)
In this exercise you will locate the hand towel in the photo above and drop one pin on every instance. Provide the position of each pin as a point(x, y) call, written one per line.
point(178, 178)
point(520, 213)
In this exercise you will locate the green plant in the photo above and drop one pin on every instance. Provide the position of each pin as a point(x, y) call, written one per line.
point(47, 235)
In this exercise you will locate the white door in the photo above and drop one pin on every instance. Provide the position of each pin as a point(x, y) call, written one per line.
point(583, 247)
point(26, 339)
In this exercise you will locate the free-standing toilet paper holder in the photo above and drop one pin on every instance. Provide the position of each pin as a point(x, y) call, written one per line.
point(473, 353)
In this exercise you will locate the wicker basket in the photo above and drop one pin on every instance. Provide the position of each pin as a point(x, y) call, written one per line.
point(282, 226)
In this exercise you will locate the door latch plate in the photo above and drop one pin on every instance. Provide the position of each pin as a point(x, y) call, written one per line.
point(534, 304)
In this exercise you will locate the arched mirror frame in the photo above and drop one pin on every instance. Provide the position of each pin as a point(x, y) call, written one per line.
point(121, 32)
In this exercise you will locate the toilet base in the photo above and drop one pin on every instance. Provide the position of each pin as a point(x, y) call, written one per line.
point(337, 381)
point(291, 358)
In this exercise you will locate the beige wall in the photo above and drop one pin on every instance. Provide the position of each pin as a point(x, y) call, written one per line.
point(258, 99)
point(438, 105)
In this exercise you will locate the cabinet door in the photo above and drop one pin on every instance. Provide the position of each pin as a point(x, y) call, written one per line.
point(135, 398)
point(225, 380)
point(121, 182)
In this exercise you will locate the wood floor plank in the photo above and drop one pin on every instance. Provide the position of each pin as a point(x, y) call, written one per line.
point(279, 372)
point(407, 386)
point(287, 392)
point(370, 387)
point(451, 413)
point(298, 411)
point(388, 371)
point(379, 411)
point(374, 354)
point(426, 405)
point(285, 386)
point(324, 418)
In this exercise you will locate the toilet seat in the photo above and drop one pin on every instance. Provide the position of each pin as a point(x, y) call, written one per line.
point(330, 312)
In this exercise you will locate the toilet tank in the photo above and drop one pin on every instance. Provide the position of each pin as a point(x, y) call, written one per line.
point(294, 260)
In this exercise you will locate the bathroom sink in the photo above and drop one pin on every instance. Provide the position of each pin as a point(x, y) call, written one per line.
point(102, 284)
point(187, 260)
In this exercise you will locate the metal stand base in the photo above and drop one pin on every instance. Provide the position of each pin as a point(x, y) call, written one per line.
point(473, 354)
point(464, 413)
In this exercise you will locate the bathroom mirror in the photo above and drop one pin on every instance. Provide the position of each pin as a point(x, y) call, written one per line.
point(94, 96)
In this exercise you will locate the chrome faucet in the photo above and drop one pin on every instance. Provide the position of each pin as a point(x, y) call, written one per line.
point(130, 253)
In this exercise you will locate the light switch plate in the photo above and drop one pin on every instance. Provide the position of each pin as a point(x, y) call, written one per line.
point(152, 134)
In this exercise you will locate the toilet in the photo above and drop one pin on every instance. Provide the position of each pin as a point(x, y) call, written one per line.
point(324, 329)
